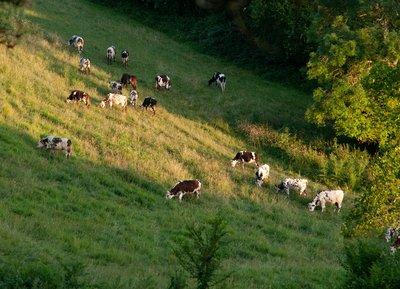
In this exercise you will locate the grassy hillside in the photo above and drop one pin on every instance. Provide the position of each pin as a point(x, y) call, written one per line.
point(106, 206)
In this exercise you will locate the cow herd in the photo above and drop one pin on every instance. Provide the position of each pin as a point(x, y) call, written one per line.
point(116, 98)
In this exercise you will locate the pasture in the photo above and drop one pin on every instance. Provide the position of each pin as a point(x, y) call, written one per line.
point(106, 206)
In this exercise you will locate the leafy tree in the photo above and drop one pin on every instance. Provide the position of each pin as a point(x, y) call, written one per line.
point(200, 253)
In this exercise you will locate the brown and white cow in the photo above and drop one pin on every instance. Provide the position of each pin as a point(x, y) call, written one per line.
point(115, 99)
point(184, 187)
point(262, 174)
point(163, 81)
point(77, 41)
point(111, 51)
point(333, 197)
point(245, 157)
point(149, 102)
point(84, 65)
point(128, 79)
point(78, 95)
point(125, 57)
point(56, 143)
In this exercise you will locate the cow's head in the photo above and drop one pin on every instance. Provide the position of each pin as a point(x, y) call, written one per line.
point(233, 163)
point(259, 182)
point(168, 195)
point(311, 206)
point(103, 103)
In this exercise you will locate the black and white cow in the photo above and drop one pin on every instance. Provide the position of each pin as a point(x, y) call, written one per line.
point(392, 232)
point(149, 102)
point(396, 245)
point(128, 79)
point(84, 65)
point(245, 157)
point(116, 86)
point(125, 57)
point(111, 51)
point(163, 81)
point(219, 79)
point(78, 95)
point(134, 97)
point(332, 197)
point(290, 184)
point(184, 187)
point(262, 174)
point(77, 41)
point(56, 143)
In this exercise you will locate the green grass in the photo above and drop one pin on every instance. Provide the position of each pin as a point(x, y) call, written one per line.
point(106, 206)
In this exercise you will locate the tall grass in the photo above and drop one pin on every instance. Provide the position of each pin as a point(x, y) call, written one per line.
point(105, 207)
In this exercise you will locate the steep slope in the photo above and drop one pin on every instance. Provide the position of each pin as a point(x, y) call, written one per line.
point(106, 205)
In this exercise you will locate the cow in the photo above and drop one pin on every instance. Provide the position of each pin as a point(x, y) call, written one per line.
point(134, 97)
point(395, 245)
point(333, 197)
point(149, 102)
point(116, 99)
point(125, 57)
point(116, 87)
point(77, 41)
point(56, 143)
point(111, 54)
point(78, 95)
point(262, 174)
point(219, 79)
point(163, 81)
point(245, 157)
point(392, 232)
point(128, 79)
point(184, 187)
point(289, 184)
point(84, 65)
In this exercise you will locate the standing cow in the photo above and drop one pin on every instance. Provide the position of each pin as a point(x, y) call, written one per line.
point(184, 187)
point(219, 79)
point(262, 174)
point(163, 81)
point(149, 102)
point(84, 65)
point(128, 79)
point(56, 143)
point(115, 99)
point(78, 95)
point(290, 184)
point(245, 157)
point(125, 57)
point(111, 51)
point(134, 98)
point(333, 197)
point(77, 41)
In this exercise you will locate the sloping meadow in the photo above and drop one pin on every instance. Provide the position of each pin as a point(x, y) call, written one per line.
point(105, 207)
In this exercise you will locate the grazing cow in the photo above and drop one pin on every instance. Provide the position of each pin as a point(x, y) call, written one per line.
point(163, 81)
point(333, 197)
point(125, 57)
point(111, 54)
point(395, 245)
point(149, 102)
point(116, 86)
point(288, 184)
point(128, 79)
point(134, 97)
point(219, 79)
point(77, 41)
point(84, 65)
point(78, 95)
point(262, 174)
point(116, 99)
point(245, 157)
point(56, 143)
point(184, 187)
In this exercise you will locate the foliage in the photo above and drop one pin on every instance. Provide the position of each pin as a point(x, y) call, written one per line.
point(369, 265)
point(13, 24)
point(201, 253)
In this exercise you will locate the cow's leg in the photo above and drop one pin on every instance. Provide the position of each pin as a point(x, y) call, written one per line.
point(180, 196)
